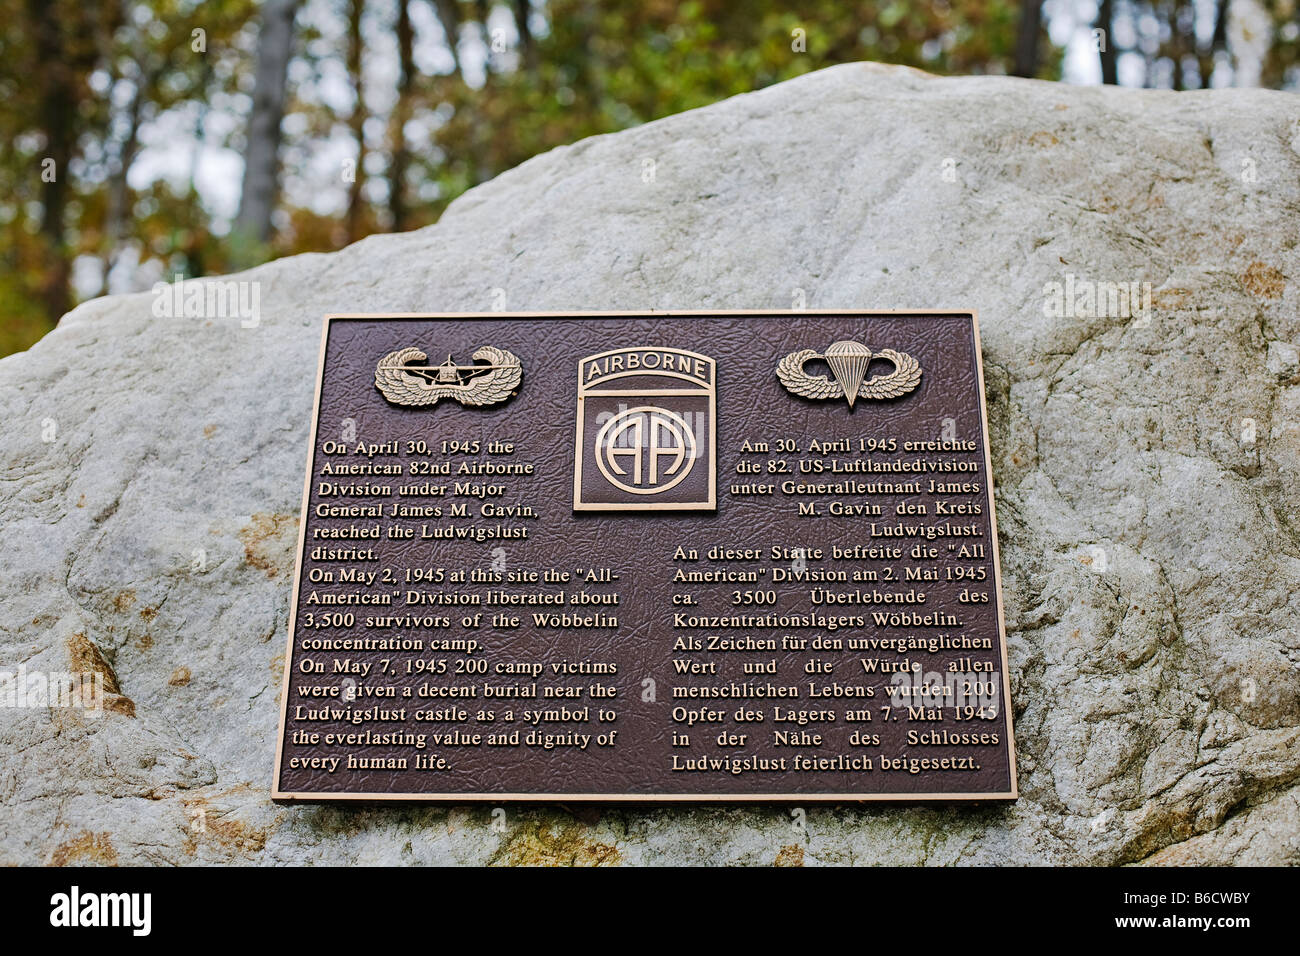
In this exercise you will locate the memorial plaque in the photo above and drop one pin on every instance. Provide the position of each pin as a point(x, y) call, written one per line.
point(648, 556)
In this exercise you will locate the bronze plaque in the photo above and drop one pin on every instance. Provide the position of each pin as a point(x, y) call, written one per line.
point(648, 556)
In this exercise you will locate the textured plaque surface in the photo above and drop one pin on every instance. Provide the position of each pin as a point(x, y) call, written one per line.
point(639, 557)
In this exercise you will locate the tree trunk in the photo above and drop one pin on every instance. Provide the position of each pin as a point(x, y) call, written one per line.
point(1027, 38)
point(1175, 49)
point(399, 158)
point(119, 193)
point(195, 253)
point(1218, 43)
point(522, 9)
point(449, 17)
point(482, 9)
point(1109, 55)
point(262, 152)
point(357, 122)
point(58, 87)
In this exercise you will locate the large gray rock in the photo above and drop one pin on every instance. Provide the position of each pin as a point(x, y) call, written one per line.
point(1146, 471)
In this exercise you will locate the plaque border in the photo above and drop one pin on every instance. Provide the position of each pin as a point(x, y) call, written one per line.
point(632, 799)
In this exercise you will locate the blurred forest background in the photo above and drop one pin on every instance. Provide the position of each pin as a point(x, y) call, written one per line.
point(150, 139)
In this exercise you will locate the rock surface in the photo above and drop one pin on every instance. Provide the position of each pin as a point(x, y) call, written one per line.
point(1146, 467)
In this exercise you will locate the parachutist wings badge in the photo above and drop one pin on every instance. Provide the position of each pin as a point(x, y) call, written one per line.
point(849, 362)
point(493, 378)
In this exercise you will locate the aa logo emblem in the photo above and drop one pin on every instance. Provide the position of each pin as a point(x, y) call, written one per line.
point(646, 431)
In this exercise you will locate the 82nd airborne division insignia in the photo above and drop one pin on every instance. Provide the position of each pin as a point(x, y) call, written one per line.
point(646, 439)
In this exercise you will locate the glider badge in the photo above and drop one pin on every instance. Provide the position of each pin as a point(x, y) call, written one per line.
point(404, 380)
